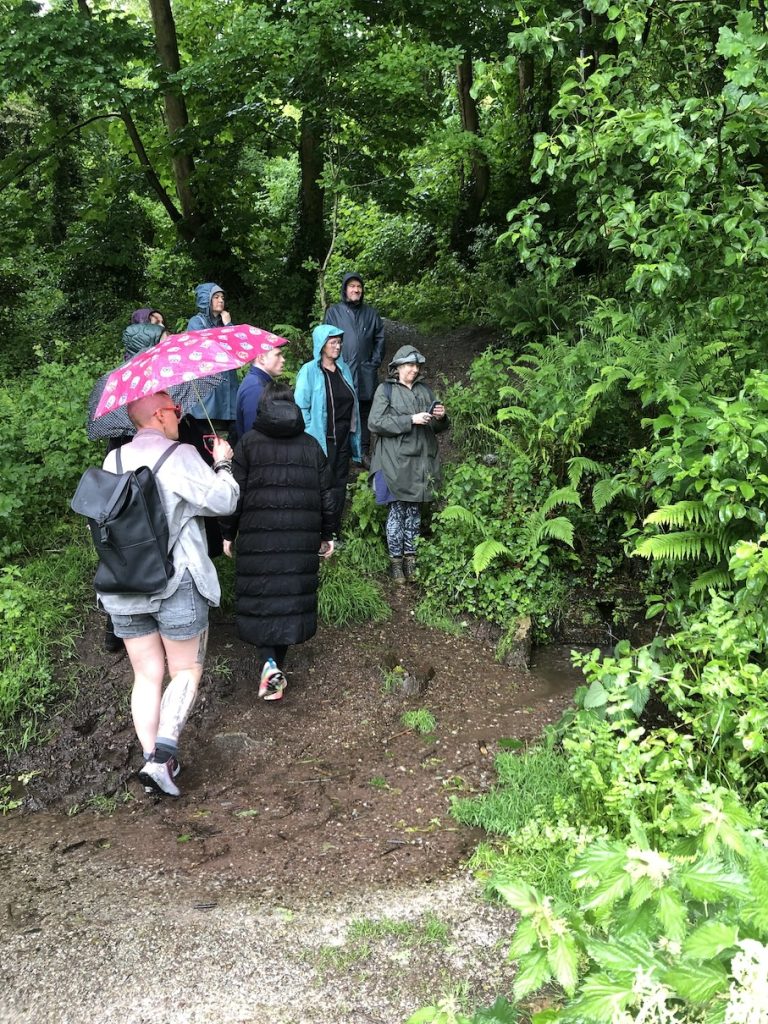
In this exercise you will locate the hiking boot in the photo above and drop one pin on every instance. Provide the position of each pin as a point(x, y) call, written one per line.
point(272, 682)
point(409, 566)
point(396, 570)
point(157, 776)
point(112, 643)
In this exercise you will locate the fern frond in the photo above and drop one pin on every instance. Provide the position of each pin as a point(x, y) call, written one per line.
point(516, 413)
point(503, 439)
point(681, 513)
point(605, 491)
point(459, 514)
point(486, 552)
point(712, 579)
point(579, 465)
point(561, 496)
point(683, 546)
point(556, 529)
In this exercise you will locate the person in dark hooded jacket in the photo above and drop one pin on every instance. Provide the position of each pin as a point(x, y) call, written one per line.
point(212, 312)
point(363, 345)
point(283, 525)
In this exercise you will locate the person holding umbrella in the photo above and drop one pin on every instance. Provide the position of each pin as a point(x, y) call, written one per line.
point(171, 626)
point(148, 394)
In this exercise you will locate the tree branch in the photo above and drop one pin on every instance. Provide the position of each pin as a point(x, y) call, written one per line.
point(133, 134)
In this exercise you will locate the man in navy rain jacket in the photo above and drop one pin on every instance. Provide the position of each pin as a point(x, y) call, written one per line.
point(363, 345)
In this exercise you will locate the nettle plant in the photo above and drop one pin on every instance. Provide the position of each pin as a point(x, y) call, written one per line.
point(665, 936)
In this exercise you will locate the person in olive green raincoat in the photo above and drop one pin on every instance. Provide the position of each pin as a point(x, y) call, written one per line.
point(405, 464)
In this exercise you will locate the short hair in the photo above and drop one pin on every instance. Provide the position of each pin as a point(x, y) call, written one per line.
point(142, 410)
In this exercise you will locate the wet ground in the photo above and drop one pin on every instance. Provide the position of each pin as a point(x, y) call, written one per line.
point(318, 810)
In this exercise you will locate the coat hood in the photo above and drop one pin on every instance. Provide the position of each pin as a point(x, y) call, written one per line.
point(141, 316)
point(279, 419)
point(405, 354)
point(203, 294)
point(352, 276)
point(320, 335)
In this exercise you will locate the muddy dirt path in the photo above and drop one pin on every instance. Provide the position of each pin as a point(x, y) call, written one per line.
point(311, 870)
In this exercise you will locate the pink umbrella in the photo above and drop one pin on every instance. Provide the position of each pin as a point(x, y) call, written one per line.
point(183, 358)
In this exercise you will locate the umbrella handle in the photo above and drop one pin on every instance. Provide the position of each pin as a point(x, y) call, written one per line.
point(202, 404)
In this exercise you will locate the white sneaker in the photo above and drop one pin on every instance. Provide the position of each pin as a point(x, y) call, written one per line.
point(272, 682)
point(158, 776)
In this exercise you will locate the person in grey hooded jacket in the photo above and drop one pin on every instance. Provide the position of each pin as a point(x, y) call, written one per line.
point(363, 344)
point(212, 312)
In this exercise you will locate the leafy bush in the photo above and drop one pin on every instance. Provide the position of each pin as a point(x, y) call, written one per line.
point(674, 934)
point(38, 602)
point(43, 450)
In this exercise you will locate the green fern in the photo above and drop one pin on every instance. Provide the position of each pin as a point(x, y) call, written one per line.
point(712, 579)
point(486, 552)
point(606, 491)
point(579, 465)
point(561, 496)
point(459, 514)
point(682, 513)
point(555, 529)
point(683, 546)
point(515, 413)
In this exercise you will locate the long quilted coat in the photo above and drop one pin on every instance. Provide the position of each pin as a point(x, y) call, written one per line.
point(285, 510)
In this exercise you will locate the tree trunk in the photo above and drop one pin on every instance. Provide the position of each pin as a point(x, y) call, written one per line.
point(475, 189)
point(176, 118)
point(309, 241)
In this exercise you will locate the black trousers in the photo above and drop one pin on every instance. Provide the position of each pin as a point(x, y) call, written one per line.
point(277, 653)
point(364, 405)
point(338, 461)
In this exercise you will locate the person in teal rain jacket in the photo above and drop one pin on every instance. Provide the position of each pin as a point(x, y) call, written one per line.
point(326, 395)
point(211, 312)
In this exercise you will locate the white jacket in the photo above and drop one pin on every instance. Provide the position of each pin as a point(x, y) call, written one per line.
point(188, 490)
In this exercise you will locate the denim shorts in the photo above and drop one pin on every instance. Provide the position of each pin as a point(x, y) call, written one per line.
point(182, 616)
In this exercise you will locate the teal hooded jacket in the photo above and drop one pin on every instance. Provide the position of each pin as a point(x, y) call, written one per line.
point(310, 395)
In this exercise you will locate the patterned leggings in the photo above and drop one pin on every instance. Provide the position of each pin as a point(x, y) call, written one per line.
point(403, 524)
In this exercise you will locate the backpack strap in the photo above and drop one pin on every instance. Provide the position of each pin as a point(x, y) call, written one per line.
point(168, 451)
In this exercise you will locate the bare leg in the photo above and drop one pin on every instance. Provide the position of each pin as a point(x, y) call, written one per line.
point(185, 664)
point(147, 657)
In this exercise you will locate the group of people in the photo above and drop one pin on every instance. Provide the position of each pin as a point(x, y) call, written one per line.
point(274, 493)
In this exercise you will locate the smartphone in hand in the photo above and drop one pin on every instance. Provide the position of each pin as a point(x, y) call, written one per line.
point(432, 407)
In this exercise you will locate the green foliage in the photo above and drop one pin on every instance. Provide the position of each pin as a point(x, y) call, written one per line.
point(39, 602)
point(43, 449)
point(345, 596)
point(683, 930)
point(497, 518)
point(420, 720)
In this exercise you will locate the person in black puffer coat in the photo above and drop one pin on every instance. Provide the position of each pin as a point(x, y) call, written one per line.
point(283, 525)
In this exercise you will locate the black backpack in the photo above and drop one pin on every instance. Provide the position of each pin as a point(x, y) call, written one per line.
point(129, 527)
